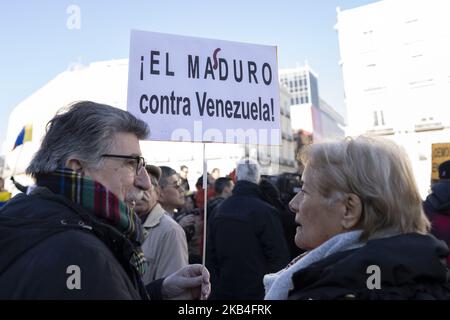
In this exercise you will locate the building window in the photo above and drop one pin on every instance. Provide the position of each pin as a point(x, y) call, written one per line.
point(421, 83)
point(412, 31)
point(368, 41)
point(411, 21)
point(378, 118)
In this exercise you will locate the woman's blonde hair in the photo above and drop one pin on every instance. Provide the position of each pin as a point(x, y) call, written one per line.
point(379, 172)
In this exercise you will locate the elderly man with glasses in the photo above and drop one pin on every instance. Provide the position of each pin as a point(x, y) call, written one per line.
point(76, 235)
point(165, 246)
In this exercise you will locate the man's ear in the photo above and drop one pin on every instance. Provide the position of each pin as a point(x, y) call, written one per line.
point(353, 212)
point(75, 165)
point(156, 192)
point(159, 193)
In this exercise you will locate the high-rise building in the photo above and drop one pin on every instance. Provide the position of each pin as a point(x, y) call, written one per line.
point(308, 111)
point(287, 149)
point(395, 64)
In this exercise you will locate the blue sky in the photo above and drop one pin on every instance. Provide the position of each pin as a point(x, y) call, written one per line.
point(37, 45)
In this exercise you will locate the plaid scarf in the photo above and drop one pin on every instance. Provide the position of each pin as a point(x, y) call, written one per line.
point(98, 200)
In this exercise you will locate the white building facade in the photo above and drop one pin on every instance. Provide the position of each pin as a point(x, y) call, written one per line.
point(395, 64)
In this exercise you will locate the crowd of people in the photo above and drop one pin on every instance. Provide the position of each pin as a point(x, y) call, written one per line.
point(135, 230)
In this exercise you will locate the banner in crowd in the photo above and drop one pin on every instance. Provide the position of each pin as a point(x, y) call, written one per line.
point(203, 90)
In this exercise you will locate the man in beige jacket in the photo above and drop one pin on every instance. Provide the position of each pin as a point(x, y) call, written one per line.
point(165, 246)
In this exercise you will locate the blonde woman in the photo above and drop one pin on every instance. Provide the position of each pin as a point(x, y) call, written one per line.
point(360, 219)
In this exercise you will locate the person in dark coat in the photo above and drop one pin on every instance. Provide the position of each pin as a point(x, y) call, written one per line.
point(245, 240)
point(271, 195)
point(76, 235)
point(223, 188)
point(360, 218)
point(437, 205)
point(184, 179)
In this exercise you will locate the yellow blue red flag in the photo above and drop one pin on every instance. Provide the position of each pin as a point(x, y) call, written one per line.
point(25, 135)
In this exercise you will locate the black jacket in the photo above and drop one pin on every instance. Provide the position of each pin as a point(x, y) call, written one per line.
point(411, 266)
point(437, 209)
point(245, 241)
point(42, 235)
point(213, 204)
point(439, 199)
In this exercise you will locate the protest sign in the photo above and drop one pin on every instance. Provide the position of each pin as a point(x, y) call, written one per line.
point(203, 90)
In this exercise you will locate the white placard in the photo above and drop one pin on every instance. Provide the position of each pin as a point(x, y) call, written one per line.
point(203, 90)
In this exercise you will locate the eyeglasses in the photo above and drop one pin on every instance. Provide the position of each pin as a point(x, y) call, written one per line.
point(174, 185)
point(139, 161)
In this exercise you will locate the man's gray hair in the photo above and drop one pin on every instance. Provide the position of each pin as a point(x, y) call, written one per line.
point(85, 131)
point(248, 170)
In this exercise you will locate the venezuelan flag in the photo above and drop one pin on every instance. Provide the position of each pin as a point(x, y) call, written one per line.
point(25, 135)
